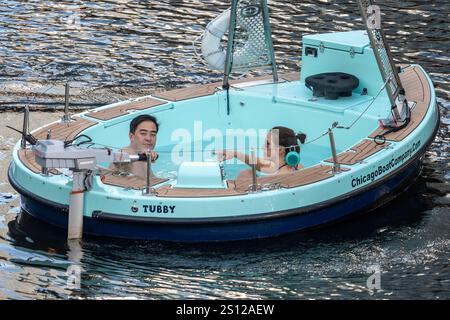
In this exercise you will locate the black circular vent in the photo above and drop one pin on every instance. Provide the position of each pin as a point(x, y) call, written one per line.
point(332, 85)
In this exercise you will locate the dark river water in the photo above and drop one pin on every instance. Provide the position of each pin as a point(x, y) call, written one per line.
point(112, 50)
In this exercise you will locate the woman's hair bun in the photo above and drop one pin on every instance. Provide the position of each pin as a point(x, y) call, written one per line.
point(301, 136)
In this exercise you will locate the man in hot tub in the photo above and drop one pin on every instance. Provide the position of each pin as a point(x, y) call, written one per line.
point(143, 131)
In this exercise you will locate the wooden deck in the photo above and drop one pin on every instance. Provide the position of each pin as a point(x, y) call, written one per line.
point(68, 131)
point(188, 92)
point(413, 79)
point(71, 130)
point(291, 76)
point(211, 88)
point(59, 131)
point(114, 112)
point(65, 131)
point(177, 95)
point(199, 193)
point(417, 90)
point(242, 186)
point(26, 156)
point(128, 181)
point(296, 179)
point(359, 152)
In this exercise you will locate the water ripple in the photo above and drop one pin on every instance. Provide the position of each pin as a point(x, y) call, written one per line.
point(111, 50)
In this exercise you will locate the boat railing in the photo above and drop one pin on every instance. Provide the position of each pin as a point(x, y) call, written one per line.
point(25, 127)
point(149, 190)
point(66, 117)
point(371, 16)
point(254, 187)
point(336, 165)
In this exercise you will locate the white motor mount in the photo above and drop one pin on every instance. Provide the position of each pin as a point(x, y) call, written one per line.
point(51, 154)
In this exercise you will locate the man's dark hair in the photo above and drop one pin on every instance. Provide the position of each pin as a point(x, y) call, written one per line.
point(139, 119)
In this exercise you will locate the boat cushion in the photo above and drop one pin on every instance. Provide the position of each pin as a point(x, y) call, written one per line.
point(332, 85)
point(203, 175)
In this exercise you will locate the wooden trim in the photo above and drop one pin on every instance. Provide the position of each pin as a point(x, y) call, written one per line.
point(291, 180)
point(114, 112)
point(129, 181)
point(59, 131)
point(235, 187)
point(209, 89)
point(65, 131)
point(417, 90)
point(26, 156)
point(199, 193)
point(359, 152)
point(189, 92)
point(241, 186)
point(291, 76)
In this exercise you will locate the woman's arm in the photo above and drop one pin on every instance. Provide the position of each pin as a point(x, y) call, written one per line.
point(262, 165)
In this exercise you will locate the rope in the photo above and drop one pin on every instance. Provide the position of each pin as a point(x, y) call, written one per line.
point(335, 124)
point(36, 95)
point(367, 108)
point(322, 135)
point(197, 40)
point(34, 98)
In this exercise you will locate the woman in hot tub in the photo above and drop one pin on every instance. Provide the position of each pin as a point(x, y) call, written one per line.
point(281, 154)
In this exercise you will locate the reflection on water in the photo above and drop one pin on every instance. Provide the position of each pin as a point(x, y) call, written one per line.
point(409, 247)
point(110, 50)
point(115, 49)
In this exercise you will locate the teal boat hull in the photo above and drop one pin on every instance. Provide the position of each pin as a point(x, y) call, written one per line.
point(199, 212)
point(231, 229)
